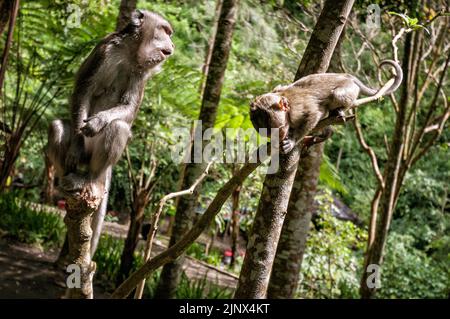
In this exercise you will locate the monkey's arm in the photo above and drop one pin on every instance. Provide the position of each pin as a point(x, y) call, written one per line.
point(79, 110)
point(94, 124)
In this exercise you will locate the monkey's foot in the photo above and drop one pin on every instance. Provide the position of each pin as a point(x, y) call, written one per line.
point(308, 141)
point(286, 146)
point(72, 184)
point(339, 113)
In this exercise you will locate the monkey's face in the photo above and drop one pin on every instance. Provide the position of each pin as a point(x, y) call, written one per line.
point(152, 37)
point(270, 111)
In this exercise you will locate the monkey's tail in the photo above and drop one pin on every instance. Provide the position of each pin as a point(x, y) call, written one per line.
point(368, 91)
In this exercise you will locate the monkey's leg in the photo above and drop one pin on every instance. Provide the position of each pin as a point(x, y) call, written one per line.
point(104, 156)
point(99, 215)
point(297, 134)
point(58, 144)
point(109, 147)
point(311, 140)
point(338, 112)
point(103, 151)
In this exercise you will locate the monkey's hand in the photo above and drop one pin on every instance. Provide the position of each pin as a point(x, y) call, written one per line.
point(93, 126)
point(287, 145)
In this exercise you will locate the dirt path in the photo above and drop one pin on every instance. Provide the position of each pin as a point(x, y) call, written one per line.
point(27, 272)
point(194, 268)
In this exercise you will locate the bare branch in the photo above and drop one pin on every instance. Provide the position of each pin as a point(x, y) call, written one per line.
point(369, 151)
point(155, 220)
point(174, 251)
point(431, 109)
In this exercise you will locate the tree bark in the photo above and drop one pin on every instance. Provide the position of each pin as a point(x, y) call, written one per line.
point(235, 224)
point(261, 249)
point(125, 10)
point(186, 206)
point(176, 250)
point(49, 183)
point(263, 239)
point(12, 22)
point(205, 68)
point(386, 204)
point(5, 11)
point(78, 221)
point(127, 257)
point(291, 247)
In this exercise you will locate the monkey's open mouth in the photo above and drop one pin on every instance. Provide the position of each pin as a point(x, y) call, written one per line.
point(166, 52)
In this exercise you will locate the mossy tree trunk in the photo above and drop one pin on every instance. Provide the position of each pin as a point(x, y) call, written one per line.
point(273, 205)
point(292, 245)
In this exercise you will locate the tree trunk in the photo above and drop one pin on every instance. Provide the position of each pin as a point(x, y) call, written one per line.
point(186, 205)
point(291, 247)
point(9, 39)
point(5, 11)
point(235, 224)
point(99, 216)
point(49, 183)
point(78, 222)
point(205, 68)
point(254, 278)
point(125, 10)
point(63, 256)
point(127, 258)
point(386, 204)
point(174, 251)
point(263, 239)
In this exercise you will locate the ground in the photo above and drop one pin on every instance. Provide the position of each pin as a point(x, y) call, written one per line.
point(27, 272)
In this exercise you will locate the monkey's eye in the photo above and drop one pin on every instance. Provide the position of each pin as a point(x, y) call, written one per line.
point(167, 29)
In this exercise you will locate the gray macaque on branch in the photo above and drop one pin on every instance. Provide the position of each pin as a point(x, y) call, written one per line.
point(297, 108)
point(108, 91)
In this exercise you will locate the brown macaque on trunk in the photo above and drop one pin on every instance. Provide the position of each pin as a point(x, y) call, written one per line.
point(297, 108)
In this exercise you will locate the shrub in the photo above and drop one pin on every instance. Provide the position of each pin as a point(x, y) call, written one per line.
point(28, 225)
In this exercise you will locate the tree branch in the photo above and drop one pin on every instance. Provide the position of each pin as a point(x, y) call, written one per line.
point(174, 251)
point(370, 151)
point(155, 219)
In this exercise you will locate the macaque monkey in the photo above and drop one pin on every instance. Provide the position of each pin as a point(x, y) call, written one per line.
point(108, 91)
point(297, 108)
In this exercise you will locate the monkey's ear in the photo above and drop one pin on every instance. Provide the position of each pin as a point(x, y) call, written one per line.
point(283, 104)
point(137, 17)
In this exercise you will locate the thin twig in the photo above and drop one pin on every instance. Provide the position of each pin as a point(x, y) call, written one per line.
point(155, 219)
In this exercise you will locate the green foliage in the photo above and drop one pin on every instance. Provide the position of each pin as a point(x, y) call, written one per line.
point(197, 251)
point(332, 258)
point(107, 258)
point(330, 177)
point(201, 289)
point(410, 23)
point(409, 273)
point(28, 225)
